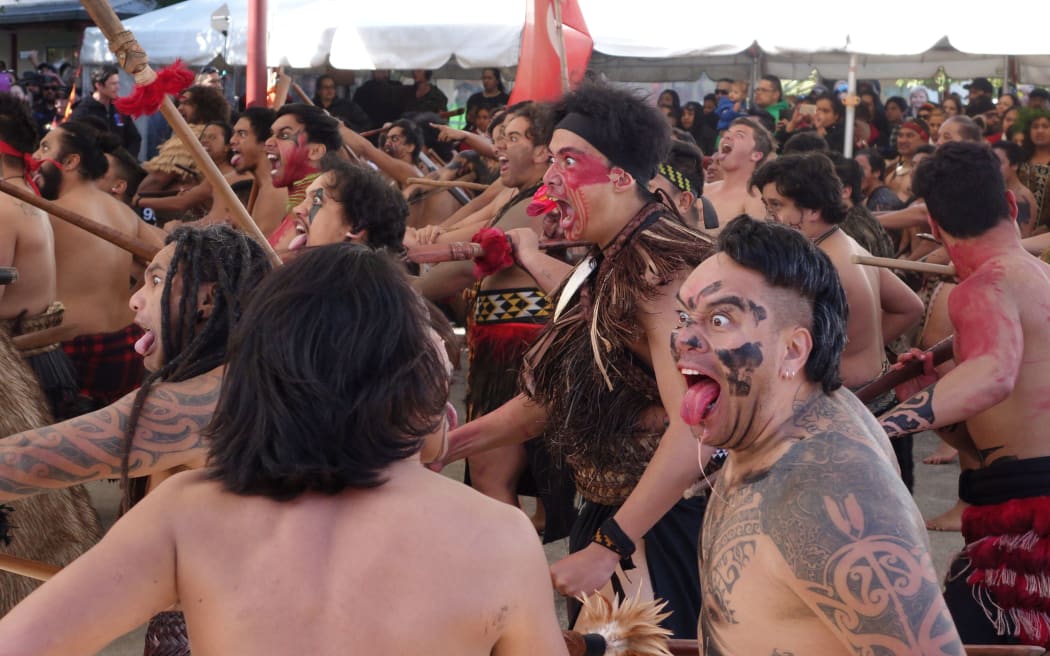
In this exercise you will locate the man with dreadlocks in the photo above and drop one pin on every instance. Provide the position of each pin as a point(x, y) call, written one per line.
point(186, 308)
point(510, 307)
point(28, 244)
point(599, 381)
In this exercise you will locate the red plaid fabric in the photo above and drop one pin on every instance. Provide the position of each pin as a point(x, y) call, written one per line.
point(107, 365)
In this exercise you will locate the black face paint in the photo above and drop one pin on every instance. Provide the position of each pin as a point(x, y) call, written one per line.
point(315, 206)
point(741, 362)
point(674, 346)
point(711, 289)
point(757, 310)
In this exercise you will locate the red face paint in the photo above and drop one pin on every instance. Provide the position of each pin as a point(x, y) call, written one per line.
point(295, 161)
point(573, 170)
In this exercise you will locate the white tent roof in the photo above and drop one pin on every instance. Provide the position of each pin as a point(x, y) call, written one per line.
point(650, 40)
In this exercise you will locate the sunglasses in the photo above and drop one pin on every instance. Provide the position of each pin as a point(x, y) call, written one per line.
point(721, 92)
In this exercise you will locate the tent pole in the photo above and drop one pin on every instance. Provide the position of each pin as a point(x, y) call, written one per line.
point(255, 84)
point(851, 105)
point(562, 56)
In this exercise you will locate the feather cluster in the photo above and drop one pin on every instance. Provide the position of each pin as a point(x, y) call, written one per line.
point(630, 628)
point(146, 99)
point(498, 254)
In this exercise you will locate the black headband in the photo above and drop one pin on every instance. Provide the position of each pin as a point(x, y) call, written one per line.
point(582, 126)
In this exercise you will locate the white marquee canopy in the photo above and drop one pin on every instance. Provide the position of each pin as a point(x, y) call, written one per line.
point(654, 40)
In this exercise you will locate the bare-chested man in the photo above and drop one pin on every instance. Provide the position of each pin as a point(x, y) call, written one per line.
point(300, 137)
point(94, 276)
point(250, 133)
point(804, 193)
point(744, 147)
point(27, 243)
point(999, 389)
point(364, 354)
point(811, 544)
point(509, 310)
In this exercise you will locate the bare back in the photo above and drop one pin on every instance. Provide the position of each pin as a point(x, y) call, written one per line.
point(732, 200)
point(1020, 425)
point(821, 551)
point(864, 357)
point(93, 274)
point(26, 243)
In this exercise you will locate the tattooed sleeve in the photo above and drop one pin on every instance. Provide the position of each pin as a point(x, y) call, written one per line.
point(912, 416)
point(88, 447)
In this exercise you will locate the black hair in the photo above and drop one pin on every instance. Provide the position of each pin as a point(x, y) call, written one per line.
point(850, 174)
point(787, 260)
point(898, 101)
point(875, 161)
point(210, 104)
point(541, 121)
point(126, 166)
point(260, 119)
point(775, 81)
point(763, 117)
point(320, 128)
point(805, 141)
point(431, 135)
point(317, 86)
point(413, 135)
point(631, 133)
point(712, 97)
point(963, 187)
point(688, 159)
point(216, 254)
point(925, 149)
point(356, 390)
point(227, 129)
point(1014, 153)
point(104, 73)
point(808, 179)
point(81, 138)
point(762, 137)
point(369, 203)
point(16, 124)
point(676, 100)
point(836, 105)
point(499, 78)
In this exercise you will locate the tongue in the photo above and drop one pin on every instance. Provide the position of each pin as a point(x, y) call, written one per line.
point(298, 242)
point(696, 399)
point(235, 160)
point(145, 343)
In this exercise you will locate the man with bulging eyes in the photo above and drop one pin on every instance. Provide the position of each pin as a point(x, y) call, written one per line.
point(811, 543)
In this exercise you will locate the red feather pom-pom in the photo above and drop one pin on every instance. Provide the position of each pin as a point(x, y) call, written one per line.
point(498, 253)
point(147, 99)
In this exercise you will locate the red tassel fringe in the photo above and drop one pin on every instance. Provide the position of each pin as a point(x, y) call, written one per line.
point(498, 254)
point(503, 342)
point(147, 99)
point(1013, 517)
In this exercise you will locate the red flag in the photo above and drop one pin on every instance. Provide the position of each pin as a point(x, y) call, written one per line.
point(539, 66)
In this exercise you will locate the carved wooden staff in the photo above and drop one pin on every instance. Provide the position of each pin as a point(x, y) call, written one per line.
point(132, 58)
point(25, 567)
point(469, 250)
point(944, 270)
point(941, 352)
point(451, 184)
point(133, 245)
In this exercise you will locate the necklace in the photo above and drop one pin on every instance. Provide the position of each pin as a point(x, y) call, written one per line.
point(816, 242)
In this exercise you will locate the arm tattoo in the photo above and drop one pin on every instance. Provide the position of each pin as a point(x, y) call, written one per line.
point(88, 447)
point(856, 554)
point(912, 416)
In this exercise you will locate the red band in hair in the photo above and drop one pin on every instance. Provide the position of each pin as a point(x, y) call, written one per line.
point(915, 127)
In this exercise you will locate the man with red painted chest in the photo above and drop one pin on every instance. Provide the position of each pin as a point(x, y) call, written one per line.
point(599, 382)
point(1000, 311)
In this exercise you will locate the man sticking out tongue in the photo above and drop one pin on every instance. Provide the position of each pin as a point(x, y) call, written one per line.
point(812, 543)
